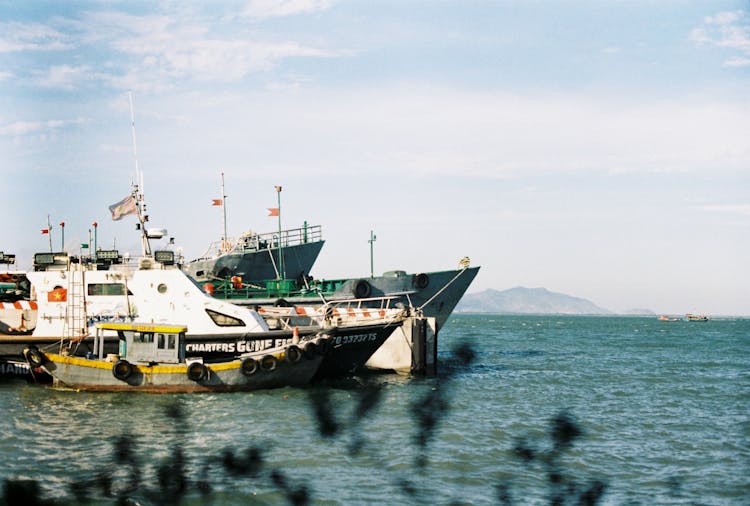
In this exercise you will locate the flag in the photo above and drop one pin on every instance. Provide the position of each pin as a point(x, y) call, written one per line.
point(57, 295)
point(84, 245)
point(123, 208)
point(273, 211)
point(45, 231)
point(216, 202)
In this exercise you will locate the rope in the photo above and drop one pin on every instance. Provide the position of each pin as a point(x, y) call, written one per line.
point(442, 289)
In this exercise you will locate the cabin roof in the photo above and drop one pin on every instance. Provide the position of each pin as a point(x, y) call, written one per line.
point(143, 327)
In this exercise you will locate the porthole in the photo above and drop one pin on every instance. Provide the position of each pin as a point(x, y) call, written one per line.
point(162, 288)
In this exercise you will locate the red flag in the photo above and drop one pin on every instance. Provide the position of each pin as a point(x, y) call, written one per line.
point(45, 231)
point(273, 211)
point(216, 202)
point(57, 295)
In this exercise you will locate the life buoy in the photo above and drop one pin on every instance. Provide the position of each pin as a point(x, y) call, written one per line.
point(421, 281)
point(197, 371)
point(34, 357)
point(362, 289)
point(209, 288)
point(293, 354)
point(236, 282)
point(281, 303)
point(249, 366)
point(310, 349)
point(122, 370)
point(268, 363)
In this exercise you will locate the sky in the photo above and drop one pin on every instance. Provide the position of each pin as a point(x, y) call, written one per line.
point(595, 148)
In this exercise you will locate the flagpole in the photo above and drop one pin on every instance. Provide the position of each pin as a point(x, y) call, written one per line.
point(281, 251)
point(49, 233)
point(62, 231)
point(96, 225)
point(371, 241)
point(224, 245)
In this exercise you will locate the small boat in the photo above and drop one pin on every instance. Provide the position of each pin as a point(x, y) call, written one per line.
point(153, 359)
point(664, 318)
point(691, 317)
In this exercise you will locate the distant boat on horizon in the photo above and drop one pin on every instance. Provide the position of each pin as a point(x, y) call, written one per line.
point(691, 317)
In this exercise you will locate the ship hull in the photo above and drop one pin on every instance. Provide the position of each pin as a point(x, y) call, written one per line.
point(436, 293)
point(257, 265)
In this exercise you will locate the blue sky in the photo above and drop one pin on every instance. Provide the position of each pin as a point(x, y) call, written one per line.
point(600, 149)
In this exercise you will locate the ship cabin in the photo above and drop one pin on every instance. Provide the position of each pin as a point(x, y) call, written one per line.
point(146, 343)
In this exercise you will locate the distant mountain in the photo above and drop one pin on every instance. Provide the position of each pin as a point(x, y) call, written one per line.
point(526, 300)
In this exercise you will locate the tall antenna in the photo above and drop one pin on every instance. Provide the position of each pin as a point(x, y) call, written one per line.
point(138, 177)
point(138, 187)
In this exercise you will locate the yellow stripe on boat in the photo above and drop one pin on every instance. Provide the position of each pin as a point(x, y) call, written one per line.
point(147, 369)
point(142, 327)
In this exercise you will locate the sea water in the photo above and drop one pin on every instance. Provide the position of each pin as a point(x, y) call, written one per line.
point(524, 410)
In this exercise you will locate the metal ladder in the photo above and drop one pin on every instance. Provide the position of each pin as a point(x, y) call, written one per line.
point(75, 311)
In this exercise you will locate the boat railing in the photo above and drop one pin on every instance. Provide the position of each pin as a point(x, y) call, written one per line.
point(338, 313)
point(251, 241)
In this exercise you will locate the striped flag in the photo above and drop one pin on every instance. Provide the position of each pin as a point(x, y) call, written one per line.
point(123, 208)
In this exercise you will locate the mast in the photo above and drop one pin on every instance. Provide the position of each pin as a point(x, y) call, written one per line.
point(224, 243)
point(282, 271)
point(138, 188)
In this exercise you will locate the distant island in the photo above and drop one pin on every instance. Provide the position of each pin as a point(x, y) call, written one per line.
point(521, 300)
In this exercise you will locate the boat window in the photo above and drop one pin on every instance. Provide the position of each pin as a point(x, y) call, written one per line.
point(160, 341)
point(108, 289)
point(171, 341)
point(143, 337)
point(223, 320)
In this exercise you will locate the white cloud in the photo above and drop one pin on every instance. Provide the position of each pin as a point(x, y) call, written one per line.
point(169, 50)
point(278, 8)
point(31, 37)
point(727, 30)
point(24, 128)
point(65, 76)
point(738, 209)
point(426, 132)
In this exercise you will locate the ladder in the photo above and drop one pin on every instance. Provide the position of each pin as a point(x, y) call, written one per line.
point(75, 324)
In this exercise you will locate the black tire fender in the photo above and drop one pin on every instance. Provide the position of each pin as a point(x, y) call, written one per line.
point(310, 349)
point(122, 370)
point(421, 280)
point(293, 354)
point(197, 372)
point(268, 363)
point(249, 366)
point(281, 303)
point(34, 357)
point(362, 289)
